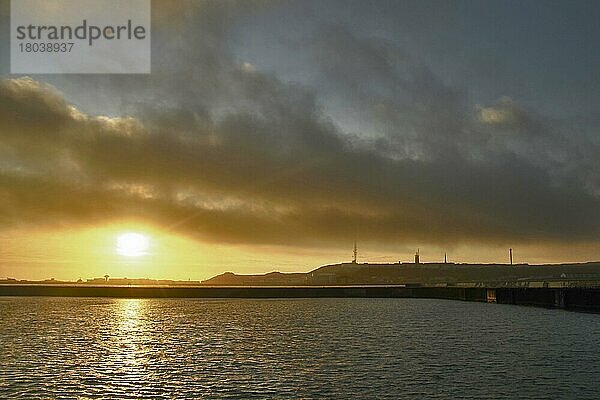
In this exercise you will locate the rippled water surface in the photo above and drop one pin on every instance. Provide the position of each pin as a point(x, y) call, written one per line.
point(305, 348)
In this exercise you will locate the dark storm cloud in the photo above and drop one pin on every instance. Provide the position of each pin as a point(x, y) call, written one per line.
point(220, 151)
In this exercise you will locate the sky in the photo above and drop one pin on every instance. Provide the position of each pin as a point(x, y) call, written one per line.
point(272, 134)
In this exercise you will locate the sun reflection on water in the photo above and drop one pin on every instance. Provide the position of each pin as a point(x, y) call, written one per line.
point(128, 349)
point(129, 315)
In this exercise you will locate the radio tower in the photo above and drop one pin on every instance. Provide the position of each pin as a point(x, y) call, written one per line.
point(354, 253)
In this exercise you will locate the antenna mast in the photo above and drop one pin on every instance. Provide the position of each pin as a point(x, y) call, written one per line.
point(354, 253)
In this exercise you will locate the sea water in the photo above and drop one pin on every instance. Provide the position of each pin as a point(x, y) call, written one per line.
point(294, 348)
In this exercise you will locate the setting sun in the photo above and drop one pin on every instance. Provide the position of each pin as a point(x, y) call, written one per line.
point(132, 244)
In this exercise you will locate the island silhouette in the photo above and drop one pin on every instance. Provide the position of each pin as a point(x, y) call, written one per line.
point(411, 274)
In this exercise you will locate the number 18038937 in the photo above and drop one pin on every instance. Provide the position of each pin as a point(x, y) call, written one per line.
point(44, 47)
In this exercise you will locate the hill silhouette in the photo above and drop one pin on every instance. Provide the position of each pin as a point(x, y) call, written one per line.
point(418, 274)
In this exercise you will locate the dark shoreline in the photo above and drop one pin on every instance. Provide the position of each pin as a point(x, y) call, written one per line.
point(574, 299)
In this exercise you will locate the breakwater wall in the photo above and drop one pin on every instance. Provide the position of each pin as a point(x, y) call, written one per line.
point(473, 294)
point(577, 299)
